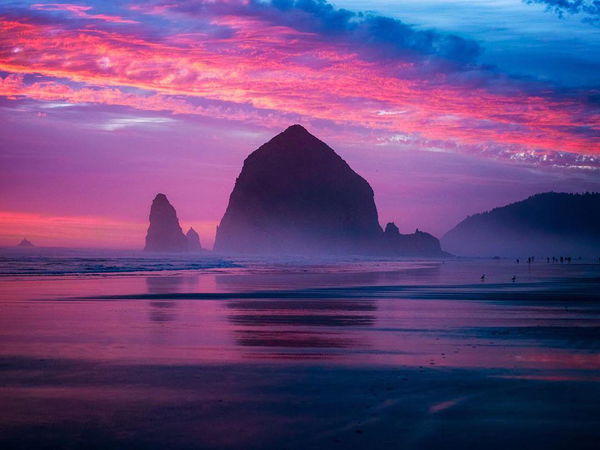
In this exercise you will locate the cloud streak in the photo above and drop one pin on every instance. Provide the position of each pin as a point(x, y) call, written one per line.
point(301, 59)
point(79, 11)
point(13, 86)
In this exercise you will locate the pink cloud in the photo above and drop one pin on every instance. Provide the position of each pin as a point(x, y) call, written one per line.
point(79, 11)
point(277, 68)
point(13, 86)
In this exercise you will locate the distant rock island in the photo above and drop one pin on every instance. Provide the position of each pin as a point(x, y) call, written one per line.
point(545, 224)
point(295, 195)
point(25, 243)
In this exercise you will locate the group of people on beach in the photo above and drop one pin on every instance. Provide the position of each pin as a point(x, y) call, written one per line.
point(549, 259)
point(553, 259)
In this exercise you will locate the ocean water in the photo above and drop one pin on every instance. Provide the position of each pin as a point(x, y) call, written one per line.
point(124, 350)
point(64, 261)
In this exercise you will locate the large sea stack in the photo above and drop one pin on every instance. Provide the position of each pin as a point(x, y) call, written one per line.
point(164, 233)
point(296, 195)
point(548, 224)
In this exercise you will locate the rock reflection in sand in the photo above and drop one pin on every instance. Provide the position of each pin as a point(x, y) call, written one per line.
point(300, 328)
point(284, 357)
point(164, 310)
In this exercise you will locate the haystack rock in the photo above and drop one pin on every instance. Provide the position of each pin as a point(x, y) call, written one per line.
point(418, 243)
point(193, 241)
point(164, 233)
point(25, 243)
point(295, 195)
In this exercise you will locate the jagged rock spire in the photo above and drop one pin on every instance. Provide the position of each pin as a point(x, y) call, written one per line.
point(164, 233)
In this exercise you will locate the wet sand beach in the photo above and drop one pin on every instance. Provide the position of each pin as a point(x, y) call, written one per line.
point(353, 354)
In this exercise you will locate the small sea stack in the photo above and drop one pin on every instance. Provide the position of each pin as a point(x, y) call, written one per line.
point(25, 244)
point(193, 241)
point(164, 233)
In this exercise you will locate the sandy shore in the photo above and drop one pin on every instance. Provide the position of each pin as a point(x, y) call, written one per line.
point(379, 355)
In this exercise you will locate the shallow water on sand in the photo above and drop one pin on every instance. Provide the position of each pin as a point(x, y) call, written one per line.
point(296, 354)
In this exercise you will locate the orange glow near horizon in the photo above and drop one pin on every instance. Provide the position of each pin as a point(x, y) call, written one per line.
point(74, 231)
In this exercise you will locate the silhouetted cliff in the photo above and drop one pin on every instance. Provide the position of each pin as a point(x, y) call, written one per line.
point(545, 224)
point(164, 233)
point(296, 195)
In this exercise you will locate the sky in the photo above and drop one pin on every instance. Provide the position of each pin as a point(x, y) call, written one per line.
point(447, 108)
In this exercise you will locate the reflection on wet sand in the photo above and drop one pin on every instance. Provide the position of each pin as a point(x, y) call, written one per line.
point(163, 310)
point(428, 359)
point(300, 328)
point(165, 284)
point(300, 277)
point(305, 328)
